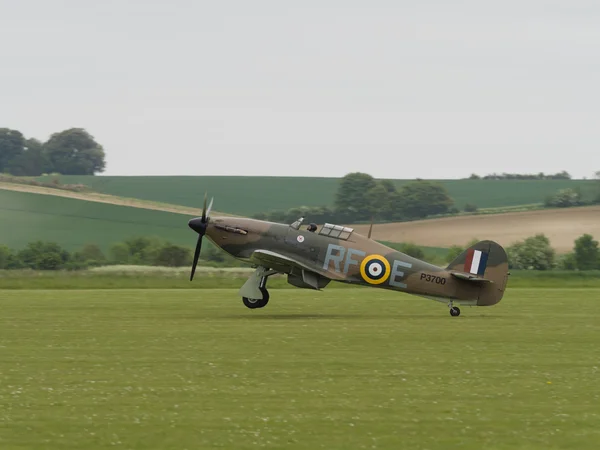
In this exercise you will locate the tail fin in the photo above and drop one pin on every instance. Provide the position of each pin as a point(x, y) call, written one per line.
point(486, 264)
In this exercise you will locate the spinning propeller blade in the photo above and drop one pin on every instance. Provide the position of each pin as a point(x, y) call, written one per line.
point(199, 225)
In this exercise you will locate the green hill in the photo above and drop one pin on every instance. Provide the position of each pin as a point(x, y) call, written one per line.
point(25, 217)
point(248, 195)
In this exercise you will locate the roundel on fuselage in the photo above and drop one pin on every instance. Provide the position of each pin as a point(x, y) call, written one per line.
point(375, 269)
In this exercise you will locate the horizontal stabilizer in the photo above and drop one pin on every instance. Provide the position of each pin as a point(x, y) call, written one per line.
point(469, 277)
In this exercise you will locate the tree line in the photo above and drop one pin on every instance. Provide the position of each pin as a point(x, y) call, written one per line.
point(142, 250)
point(69, 152)
point(564, 175)
point(360, 197)
point(532, 253)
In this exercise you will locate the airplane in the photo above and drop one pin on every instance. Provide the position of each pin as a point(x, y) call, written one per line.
point(312, 258)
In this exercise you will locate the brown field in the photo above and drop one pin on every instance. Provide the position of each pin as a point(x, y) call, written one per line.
point(562, 226)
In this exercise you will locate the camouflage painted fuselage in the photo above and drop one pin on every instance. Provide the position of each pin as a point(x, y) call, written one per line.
point(359, 260)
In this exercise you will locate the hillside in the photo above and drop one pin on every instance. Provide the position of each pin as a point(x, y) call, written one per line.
point(249, 195)
point(25, 217)
point(73, 222)
point(562, 226)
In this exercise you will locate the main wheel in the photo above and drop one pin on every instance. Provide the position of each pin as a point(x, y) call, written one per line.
point(251, 302)
point(454, 311)
point(254, 303)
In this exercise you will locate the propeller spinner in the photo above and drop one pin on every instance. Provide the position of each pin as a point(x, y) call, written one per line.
point(199, 225)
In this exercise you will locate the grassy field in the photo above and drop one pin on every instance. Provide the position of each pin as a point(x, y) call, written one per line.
point(248, 195)
point(195, 369)
point(25, 217)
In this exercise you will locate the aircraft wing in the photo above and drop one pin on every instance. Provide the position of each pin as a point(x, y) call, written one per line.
point(285, 264)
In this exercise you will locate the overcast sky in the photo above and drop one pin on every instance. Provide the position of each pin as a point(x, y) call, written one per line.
point(397, 89)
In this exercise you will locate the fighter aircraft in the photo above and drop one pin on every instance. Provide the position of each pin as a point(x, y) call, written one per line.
point(312, 258)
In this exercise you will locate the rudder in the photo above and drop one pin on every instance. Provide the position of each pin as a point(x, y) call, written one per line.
point(485, 259)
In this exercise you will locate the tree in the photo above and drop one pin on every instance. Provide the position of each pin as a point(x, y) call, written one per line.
point(565, 198)
point(119, 253)
point(74, 152)
point(534, 253)
point(351, 196)
point(470, 207)
point(171, 255)
point(5, 256)
point(378, 198)
point(39, 255)
point(11, 147)
point(31, 161)
point(597, 176)
point(413, 250)
point(424, 198)
point(587, 254)
point(90, 253)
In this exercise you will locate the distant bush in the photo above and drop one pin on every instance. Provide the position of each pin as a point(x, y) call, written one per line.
point(469, 207)
point(564, 198)
point(534, 253)
point(413, 250)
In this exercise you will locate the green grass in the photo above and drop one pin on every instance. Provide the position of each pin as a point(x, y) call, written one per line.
point(248, 195)
point(197, 370)
point(25, 217)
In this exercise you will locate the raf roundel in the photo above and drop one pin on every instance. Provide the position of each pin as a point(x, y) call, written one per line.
point(300, 238)
point(375, 269)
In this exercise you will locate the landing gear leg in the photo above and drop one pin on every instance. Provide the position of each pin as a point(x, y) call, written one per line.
point(261, 274)
point(454, 310)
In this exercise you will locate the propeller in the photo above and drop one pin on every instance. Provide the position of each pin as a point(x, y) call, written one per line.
point(199, 225)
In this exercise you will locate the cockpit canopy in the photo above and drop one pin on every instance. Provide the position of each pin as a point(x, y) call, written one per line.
point(336, 231)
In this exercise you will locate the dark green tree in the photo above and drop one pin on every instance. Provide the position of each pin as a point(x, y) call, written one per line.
point(420, 199)
point(90, 253)
point(119, 253)
point(40, 255)
point(351, 197)
point(5, 256)
point(12, 143)
point(378, 198)
point(74, 152)
point(31, 161)
point(171, 255)
point(413, 250)
point(587, 254)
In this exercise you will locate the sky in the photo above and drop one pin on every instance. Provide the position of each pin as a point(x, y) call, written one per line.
point(396, 89)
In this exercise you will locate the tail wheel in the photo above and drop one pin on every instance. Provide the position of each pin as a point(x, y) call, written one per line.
point(454, 311)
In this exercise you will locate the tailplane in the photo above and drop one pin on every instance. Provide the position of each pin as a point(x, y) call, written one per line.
point(486, 264)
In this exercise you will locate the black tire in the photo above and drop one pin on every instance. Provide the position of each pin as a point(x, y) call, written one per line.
point(253, 303)
point(454, 311)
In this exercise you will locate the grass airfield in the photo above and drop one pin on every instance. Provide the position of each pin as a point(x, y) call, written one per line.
point(337, 369)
